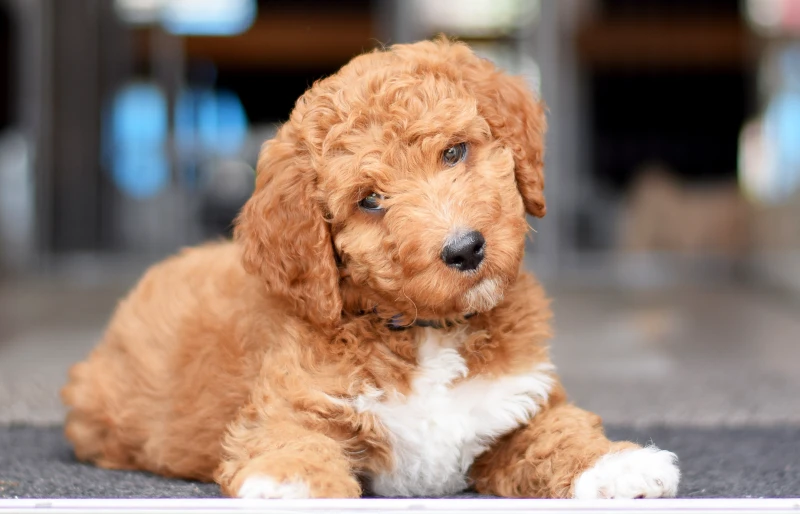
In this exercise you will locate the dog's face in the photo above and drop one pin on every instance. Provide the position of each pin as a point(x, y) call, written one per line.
point(425, 212)
point(412, 169)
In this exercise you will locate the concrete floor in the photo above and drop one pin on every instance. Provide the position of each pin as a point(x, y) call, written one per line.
point(702, 356)
point(693, 357)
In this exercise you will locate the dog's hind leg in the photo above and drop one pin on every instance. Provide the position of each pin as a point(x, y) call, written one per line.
point(90, 426)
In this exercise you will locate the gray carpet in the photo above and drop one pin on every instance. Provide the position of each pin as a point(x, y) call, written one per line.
point(735, 462)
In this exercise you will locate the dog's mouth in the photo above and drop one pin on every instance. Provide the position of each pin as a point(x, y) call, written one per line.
point(483, 296)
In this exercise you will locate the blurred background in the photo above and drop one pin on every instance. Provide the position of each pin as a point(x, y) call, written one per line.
point(130, 128)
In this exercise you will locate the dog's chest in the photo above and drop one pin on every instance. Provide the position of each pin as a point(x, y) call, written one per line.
point(439, 429)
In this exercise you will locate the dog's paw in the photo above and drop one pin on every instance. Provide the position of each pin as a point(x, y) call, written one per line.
point(641, 473)
point(260, 486)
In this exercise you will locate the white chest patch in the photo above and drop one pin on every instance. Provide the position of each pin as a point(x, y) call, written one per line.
point(440, 428)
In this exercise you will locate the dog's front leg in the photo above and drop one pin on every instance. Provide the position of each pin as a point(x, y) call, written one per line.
point(268, 454)
point(563, 453)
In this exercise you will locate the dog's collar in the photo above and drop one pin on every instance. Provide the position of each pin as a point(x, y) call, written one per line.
point(395, 323)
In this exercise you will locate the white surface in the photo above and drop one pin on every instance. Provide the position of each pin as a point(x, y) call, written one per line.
point(415, 505)
point(265, 487)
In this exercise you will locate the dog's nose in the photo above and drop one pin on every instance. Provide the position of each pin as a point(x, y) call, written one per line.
point(466, 252)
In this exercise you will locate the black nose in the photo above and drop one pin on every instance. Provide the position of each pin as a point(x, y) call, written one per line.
point(466, 252)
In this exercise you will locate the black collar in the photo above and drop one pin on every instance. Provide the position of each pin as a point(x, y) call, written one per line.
point(394, 323)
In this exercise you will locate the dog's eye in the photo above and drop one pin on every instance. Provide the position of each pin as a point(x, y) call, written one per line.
point(371, 202)
point(454, 154)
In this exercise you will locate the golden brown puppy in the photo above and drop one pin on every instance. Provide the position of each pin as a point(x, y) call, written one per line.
point(370, 326)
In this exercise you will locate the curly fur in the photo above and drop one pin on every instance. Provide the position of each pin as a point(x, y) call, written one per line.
point(269, 364)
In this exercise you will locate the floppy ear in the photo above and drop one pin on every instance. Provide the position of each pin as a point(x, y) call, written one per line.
point(515, 117)
point(284, 236)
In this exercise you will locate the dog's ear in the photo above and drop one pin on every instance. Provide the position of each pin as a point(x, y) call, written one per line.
point(284, 236)
point(515, 117)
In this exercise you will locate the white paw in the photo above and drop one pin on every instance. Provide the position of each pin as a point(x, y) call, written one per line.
point(260, 486)
point(642, 473)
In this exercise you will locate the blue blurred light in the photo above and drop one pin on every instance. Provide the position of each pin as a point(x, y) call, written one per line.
point(136, 137)
point(782, 126)
point(208, 17)
point(769, 152)
point(208, 124)
point(223, 124)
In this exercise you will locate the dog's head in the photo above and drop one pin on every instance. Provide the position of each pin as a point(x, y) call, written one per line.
point(401, 183)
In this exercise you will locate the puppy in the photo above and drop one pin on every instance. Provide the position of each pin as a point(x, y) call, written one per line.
point(369, 329)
